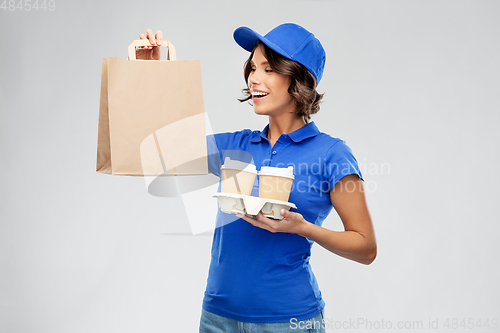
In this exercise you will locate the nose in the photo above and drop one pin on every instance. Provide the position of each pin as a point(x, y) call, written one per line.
point(253, 79)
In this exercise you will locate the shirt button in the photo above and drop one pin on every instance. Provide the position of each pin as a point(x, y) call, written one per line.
point(274, 152)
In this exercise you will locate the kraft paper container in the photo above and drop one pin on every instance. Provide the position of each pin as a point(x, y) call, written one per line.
point(151, 116)
point(275, 183)
point(237, 177)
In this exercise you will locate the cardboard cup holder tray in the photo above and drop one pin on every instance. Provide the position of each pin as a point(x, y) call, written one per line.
point(230, 203)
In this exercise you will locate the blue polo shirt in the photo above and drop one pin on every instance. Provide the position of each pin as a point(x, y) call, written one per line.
point(256, 275)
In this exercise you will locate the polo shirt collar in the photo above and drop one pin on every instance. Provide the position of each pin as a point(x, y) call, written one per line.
point(307, 131)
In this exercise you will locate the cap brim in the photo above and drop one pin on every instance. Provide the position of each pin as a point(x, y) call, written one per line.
point(247, 38)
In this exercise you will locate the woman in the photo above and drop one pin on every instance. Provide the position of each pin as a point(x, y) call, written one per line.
point(260, 279)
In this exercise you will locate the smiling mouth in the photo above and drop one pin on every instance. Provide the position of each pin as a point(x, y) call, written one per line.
point(259, 94)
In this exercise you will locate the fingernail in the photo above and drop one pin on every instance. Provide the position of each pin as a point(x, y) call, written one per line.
point(153, 41)
point(159, 42)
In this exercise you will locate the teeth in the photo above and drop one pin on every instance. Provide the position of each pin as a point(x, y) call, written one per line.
point(258, 93)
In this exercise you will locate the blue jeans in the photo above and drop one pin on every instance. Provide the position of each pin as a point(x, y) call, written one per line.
point(212, 323)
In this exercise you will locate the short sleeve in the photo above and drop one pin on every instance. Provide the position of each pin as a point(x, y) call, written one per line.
point(213, 155)
point(340, 162)
point(231, 145)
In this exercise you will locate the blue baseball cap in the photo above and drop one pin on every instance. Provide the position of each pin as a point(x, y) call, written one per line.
point(291, 41)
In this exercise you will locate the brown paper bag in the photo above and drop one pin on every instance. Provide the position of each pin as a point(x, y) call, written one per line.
point(151, 117)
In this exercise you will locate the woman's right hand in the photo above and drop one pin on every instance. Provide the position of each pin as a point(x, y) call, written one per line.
point(151, 52)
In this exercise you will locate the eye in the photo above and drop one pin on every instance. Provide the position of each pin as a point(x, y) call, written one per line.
point(252, 69)
point(268, 70)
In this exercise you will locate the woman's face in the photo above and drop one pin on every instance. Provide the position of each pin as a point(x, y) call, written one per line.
point(269, 89)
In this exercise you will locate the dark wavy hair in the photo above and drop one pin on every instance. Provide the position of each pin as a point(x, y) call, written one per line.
point(302, 87)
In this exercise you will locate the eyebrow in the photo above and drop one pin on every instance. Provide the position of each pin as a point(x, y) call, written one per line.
point(263, 63)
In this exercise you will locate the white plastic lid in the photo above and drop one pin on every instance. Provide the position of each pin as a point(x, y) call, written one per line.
point(238, 165)
point(280, 172)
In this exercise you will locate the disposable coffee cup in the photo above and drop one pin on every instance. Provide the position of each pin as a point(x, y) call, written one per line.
point(275, 183)
point(237, 177)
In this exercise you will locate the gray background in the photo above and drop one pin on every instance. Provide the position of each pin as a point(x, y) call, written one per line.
point(410, 85)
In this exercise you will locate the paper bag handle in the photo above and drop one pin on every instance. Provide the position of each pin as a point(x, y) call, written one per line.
point(145, 42)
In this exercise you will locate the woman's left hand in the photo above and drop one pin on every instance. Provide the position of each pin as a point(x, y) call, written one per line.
point(291, 223)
